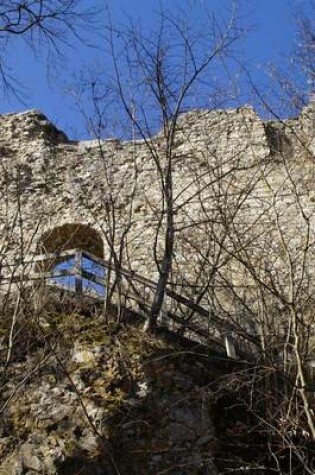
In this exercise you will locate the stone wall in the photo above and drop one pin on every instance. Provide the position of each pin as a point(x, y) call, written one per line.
point(236, 179)
point(57, 181)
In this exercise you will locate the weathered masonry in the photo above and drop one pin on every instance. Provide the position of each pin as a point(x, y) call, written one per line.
point(244, 199)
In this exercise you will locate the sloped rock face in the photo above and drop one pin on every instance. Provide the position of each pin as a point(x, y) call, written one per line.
point(82, 400)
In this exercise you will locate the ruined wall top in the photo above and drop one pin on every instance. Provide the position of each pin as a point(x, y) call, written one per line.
point(28, 126)
point(32, 125)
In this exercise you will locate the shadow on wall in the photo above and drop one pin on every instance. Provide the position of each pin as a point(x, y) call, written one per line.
point(72, 236)
point(278, 141)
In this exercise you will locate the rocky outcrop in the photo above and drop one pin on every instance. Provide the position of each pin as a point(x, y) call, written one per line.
point(79, 399)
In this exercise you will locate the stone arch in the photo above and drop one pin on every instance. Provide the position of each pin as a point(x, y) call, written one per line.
point(63, 269)
point(71, 236)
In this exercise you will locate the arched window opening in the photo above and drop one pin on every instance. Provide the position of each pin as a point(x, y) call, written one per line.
point(74, 254)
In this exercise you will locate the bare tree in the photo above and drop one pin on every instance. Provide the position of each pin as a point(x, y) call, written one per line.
point(156, 76)
point(42, 24)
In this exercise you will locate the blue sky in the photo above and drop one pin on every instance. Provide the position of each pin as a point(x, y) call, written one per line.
point(271, 36)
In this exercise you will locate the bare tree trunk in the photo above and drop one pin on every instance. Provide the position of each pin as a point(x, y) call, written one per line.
point(158, 300)
point(166, 265)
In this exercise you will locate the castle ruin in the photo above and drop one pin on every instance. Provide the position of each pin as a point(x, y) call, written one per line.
point(243, 201)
